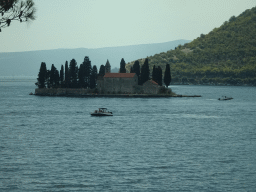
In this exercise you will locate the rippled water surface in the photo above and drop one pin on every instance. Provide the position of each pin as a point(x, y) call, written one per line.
point(166, 144)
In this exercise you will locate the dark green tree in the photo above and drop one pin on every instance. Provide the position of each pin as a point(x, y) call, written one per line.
point(131, 70)
point(154, 74)
point(61, 75)
point(48, 73)
point(102, 70)
point(87, 71)
point(136, 68)
point(73, 73)
point(11, 10)
point(93, 77)
point(122, 66)
point(42, 76)
point(81, 76)
point(67, 78)
point(167, 75)
point(159, 76)
point(52, 76)
point(56, 78)
point(145, 72)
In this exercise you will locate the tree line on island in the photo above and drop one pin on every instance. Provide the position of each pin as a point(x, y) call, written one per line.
point(144, 73)
point(85, 76)
point(73, 76)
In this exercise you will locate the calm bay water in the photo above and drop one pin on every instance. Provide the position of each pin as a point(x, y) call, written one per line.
point(166, 144)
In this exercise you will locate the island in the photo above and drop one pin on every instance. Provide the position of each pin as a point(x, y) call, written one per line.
point(112, 85)
point(85, 81)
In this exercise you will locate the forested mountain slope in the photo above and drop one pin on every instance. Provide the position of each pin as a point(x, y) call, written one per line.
point(226, 55)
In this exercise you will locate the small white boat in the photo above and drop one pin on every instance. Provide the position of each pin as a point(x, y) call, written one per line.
point(102, 112)
point(223, 98)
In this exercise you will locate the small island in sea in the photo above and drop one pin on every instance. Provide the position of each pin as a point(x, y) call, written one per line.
point(85, 81)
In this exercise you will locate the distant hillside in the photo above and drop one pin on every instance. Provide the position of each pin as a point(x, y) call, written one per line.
point(227, 55)
point(28, 63)
point(115, 70)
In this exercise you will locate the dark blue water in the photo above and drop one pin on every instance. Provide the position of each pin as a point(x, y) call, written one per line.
point(150, 144)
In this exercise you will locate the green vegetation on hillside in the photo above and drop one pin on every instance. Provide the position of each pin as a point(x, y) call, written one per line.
point(227, 55)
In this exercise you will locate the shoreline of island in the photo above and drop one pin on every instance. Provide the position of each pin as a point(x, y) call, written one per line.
point(118, 95)
point(72, 92)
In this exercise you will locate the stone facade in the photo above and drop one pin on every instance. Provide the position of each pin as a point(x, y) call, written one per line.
point(122, 83)
point(116, 83)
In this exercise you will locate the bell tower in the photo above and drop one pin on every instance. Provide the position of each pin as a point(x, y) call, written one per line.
point(107, 67)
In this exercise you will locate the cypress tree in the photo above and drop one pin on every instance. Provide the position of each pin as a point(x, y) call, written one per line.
point(102, 70)
point(159, 76)
point(48, 73)
point(87, 71)
point(136, 68)
point(93, 77)
point(52, 76)
point(167, 75)
point(42, 76)
point(61, 75)
point(56, 78)
point(122, 66)
point(131, 70)
point(73, 73)
point(67, 79)
point(145, 72)
point(81, 76)
point(154, 74)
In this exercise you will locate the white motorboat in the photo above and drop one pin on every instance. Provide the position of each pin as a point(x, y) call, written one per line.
point(102, 112)
point(223, 98)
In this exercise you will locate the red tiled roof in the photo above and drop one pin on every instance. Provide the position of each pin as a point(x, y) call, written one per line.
point(119, 75)
point(154, 82)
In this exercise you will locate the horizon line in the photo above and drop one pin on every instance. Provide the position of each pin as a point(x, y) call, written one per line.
point(95, 48)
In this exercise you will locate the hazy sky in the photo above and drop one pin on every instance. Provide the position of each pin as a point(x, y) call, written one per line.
point(108, 23)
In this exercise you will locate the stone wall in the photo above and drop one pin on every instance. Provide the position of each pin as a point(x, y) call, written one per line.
point(100, 84)
point(126, 85)
point(117, 85)
point(120, 85)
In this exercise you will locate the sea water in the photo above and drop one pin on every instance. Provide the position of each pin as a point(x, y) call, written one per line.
point(150, 144)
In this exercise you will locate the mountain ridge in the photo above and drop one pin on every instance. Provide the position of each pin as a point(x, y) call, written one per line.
point(28, 63)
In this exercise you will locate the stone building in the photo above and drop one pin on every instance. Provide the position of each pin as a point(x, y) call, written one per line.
point(117, 83)
point(151, 87)
point(122, 83)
